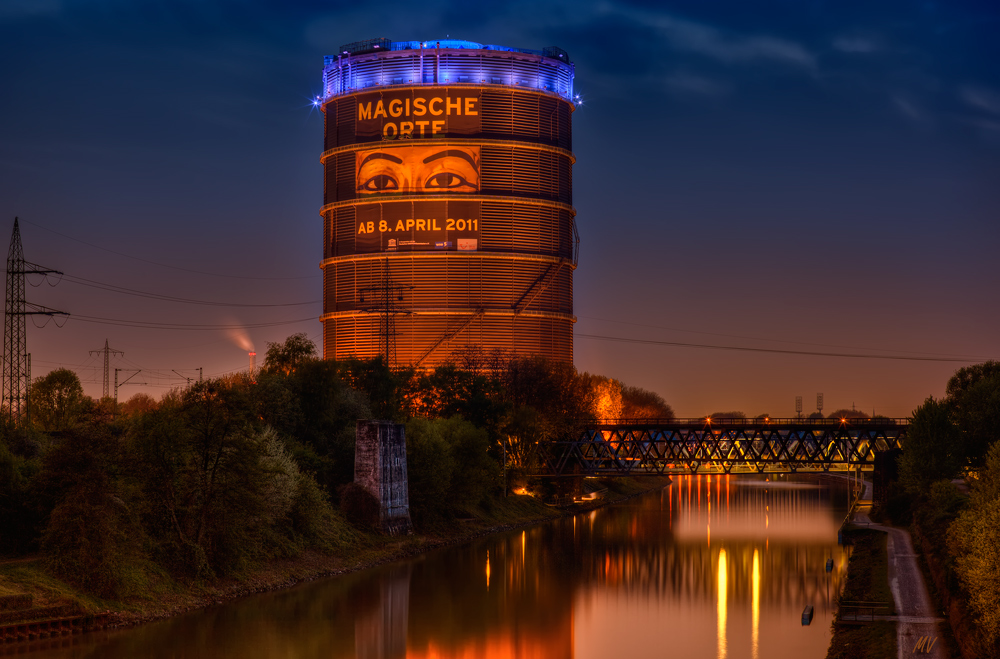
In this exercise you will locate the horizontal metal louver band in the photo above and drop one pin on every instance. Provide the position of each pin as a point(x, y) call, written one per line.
point(452, 197)
point(326, 155)
point(455, 313)
point(516, 284)
point(432, 340)
point(394, 258)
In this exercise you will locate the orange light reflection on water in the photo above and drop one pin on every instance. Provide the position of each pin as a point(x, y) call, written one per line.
point(722, 611)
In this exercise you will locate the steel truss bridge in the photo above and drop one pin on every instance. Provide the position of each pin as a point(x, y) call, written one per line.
point(739, 446)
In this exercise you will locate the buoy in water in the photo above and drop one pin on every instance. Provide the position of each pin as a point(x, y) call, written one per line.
point(807, 614)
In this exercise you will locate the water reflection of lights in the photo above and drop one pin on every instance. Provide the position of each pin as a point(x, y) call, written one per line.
point(723, 604)
point(487, 569)
point(755, 606)
point(749, 513)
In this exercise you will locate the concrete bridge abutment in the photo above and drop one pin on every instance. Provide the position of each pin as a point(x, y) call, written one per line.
point(380, 468)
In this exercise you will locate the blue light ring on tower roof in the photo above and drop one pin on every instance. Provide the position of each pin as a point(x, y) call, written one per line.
point(350, 74)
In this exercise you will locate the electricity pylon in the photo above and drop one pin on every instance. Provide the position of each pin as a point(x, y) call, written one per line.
point(107, 362)
point(16, 362)
point(383, 299)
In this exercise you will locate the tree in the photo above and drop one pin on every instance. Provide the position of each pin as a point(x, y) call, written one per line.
point(607, 396)
point(845, 413)
point(638, 403)
point(722, 417)
point(316, 411)
point(933, 449)
point(973, 543)
point(200, 465)
point(56, 401)
point(93, 537)
point(448, 467)
point(975, 404)
point(967, 376)
point(429, 467)
point(286, 357)
point(138, 404)
point(17, 509)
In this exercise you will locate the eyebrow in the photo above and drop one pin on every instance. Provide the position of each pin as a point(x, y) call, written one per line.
point(377, 155)
point(453, 153)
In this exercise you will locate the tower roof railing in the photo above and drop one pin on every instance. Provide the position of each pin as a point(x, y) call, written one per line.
point(382, 44)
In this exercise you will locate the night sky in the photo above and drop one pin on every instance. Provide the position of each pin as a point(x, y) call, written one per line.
point(784, 177)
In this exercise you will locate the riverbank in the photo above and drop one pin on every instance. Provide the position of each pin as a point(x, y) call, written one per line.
point(883, 560)
point(868, 583)
point(28, 578)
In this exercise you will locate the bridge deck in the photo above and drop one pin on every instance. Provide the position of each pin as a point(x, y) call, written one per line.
point(729, 447)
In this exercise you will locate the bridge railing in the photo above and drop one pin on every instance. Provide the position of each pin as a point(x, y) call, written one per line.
point(766, 422)
point(653, 446)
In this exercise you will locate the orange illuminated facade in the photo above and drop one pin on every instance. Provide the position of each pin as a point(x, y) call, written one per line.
point(448, 172)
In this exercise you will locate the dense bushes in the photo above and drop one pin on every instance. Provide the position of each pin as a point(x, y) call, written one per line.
point(448, 467)
point(956, 436)
point(217, 478)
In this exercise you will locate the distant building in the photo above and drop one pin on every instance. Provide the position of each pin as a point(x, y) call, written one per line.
point(448, 188)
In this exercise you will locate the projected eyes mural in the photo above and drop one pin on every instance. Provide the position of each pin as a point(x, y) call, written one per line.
point(428, 169)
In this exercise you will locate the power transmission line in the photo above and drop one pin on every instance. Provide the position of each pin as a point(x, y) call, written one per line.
point(812, 353)
point(755, 338)
point(182, 326)
point(170, 298)
point(164, 265)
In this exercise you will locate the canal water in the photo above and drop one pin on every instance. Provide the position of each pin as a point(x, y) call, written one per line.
point(709, 567)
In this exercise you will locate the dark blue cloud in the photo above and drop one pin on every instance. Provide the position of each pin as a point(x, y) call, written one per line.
point(769, 157)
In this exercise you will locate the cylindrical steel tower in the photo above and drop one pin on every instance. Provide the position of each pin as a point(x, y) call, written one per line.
point(448, 214)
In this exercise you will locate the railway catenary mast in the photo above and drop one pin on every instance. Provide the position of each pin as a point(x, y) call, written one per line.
point(450, 163)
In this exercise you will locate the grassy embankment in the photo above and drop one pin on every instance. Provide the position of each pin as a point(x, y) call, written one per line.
point(351, 549)
point(867, 581)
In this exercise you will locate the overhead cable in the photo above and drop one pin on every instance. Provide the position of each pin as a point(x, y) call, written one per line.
point(811, 353)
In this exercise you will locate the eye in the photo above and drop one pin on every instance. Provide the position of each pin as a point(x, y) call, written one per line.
point(379, 183)
point(446, 180)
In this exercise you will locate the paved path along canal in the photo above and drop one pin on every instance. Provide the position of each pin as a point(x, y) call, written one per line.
point(916, 619)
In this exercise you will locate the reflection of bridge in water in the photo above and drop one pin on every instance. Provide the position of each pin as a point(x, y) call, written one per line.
point(729, 446)
point(745, 546)
point(777, 535)
point(782, 576)
point(749, 546)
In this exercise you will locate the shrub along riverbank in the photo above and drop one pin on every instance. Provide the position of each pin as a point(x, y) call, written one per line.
point(42, 595)
point(948, 491)
point(215, 485)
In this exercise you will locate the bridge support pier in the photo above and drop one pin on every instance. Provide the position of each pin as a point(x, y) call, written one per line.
point(380, 468)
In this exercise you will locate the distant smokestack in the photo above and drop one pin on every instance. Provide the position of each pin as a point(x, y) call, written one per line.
point(253, 363)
